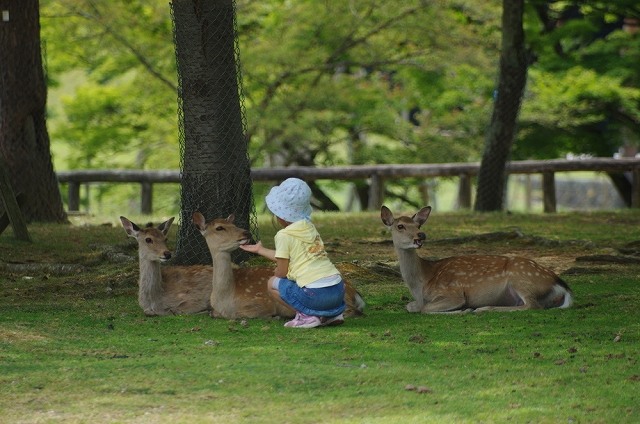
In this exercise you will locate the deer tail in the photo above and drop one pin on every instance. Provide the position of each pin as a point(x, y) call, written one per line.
point(359, 303)
point(355, 303)
point(560, 296)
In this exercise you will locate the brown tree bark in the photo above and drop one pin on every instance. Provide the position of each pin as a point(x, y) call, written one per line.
point(24, 140)
point(502, 129)
point(216, 172)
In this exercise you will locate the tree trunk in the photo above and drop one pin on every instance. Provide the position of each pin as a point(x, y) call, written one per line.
point(623, 186)
point(216, 172)
point(24, 140)
point(502, 129)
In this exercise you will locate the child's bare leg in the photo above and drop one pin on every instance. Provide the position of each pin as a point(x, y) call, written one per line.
point(274, 293)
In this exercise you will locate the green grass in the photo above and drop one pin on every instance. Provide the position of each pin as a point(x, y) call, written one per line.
point(75, 347)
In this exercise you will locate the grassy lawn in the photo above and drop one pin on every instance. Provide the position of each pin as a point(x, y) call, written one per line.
point(75, 347)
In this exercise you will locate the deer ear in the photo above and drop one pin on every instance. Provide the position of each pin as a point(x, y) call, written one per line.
point(164, 227)
point(131, 228)
point(421, 216)
point(231, 218)
point(199, 221)
point(386, 216)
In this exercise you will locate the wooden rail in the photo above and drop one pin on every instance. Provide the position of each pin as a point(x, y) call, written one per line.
point(377, 174)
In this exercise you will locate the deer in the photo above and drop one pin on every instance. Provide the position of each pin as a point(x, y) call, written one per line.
point(242, 292)
point(167, 290)
point(470, 282)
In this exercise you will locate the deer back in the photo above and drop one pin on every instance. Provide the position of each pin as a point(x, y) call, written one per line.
point(186, 289)
point(252, 298)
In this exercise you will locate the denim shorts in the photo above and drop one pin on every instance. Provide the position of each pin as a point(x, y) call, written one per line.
point(320, 302)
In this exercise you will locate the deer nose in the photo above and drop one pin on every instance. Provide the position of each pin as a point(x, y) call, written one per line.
point(166, 254)
point(422, 236)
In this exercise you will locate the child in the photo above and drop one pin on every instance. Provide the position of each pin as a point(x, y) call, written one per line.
point(304, 278)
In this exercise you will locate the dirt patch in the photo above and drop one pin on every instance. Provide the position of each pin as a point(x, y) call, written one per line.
point(13, 336)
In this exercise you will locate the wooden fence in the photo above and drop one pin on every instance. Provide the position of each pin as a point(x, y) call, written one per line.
point(376, 174)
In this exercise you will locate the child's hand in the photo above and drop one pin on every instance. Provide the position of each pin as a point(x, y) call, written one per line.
point(253, 248)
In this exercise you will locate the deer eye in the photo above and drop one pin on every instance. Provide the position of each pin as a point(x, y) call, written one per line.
point(220, 228)
point(149, 240)
point(400, 227)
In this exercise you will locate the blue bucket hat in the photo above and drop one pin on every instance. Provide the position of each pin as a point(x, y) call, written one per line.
point(290, 200)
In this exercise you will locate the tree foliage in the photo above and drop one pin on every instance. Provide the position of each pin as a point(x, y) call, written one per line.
point(367, 81)
point(126, 98)
point(583, 89)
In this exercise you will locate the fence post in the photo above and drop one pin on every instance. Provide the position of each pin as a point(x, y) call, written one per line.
point(424, 192)
point(376, 192)
point(549, 191)
point(635, 188)
point(527, 192)
point(74, 196)
point(464, 191)
point(146, 204)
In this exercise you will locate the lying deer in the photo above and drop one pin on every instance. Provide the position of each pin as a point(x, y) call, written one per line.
point(242, 292)
point(480, 282)
point(167, 290)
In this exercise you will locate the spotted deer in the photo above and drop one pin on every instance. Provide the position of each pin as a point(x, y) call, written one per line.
point(476, 282)
point(167, 290)
point(242, 292)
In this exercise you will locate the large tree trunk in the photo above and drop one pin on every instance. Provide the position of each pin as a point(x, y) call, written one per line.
point(216, 173)
point(502, 129)
point(24, 140)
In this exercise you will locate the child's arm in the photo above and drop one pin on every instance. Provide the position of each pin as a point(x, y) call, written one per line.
point(282, 268)
point(282, 265)
point(259, 249)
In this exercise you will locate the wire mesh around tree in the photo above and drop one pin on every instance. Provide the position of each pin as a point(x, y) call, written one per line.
point(215, 166)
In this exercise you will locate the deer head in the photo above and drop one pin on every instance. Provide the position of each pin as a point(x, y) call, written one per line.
point(152, 241)
point(405, 232)
point(221, 234)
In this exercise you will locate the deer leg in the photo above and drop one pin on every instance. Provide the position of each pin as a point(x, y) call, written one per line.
point(503, 308)
point(528, 303)
point(445, 305)
point(418, 303)
point(415, 306)
point(509, 300)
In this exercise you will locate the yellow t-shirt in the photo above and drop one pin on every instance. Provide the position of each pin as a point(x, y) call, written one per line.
point(300, 242)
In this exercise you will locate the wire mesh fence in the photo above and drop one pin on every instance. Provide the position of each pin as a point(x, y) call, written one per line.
point(215, 167)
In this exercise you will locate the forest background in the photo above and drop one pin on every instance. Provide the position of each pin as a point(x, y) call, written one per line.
point(332, 82)
point(336, 83)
